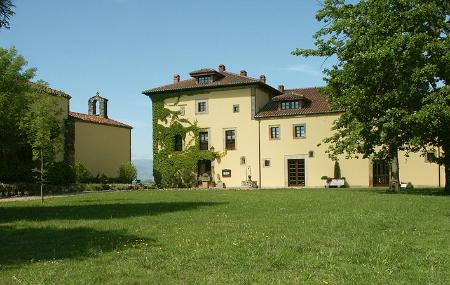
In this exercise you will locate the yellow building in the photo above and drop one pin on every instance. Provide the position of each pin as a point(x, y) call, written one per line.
point(270, 136)
point(93, 139)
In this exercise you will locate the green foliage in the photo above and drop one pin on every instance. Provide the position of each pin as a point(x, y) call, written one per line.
point(324, 177)
point(127, 172)
point(175, 168)
point(15, 153)
point(337, 170)
point(61, 173)
point(44, 130)
point(391, 75)
point(6, 12)
point(82, 174)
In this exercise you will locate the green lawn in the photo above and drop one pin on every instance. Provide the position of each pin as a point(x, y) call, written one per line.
point(228, 237)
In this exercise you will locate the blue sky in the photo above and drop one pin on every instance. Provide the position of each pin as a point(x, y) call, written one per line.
point(122, 47)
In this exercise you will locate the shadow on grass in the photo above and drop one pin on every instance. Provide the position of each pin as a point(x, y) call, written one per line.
point(96, 211)
point(27, 245)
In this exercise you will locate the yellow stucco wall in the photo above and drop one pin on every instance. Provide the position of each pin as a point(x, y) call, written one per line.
point(101, 148)
point(220, 117)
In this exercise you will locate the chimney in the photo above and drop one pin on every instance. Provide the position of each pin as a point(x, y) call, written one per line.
point(176, 78)
point(262, 78)
point(281, 88)
point(221, 67)
point(243, 73)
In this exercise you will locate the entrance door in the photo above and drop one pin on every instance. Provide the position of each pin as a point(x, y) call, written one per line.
point(380, 173)
point(296, 172)
point(204, 166)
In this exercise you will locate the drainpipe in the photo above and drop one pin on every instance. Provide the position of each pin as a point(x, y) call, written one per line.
point(259, 152)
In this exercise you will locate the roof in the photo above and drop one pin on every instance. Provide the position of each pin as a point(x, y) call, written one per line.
point(203, 71)
point(49, 90)
point(226, 79)
point(317, 104)
point(289, 96)
point(97, 120)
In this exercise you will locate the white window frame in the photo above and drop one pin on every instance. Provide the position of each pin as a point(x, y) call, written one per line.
point(294, 132)
point(196, 107)
point(270, 132)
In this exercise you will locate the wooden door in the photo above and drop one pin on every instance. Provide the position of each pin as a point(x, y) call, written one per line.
point(380, 173)
point(296, 172)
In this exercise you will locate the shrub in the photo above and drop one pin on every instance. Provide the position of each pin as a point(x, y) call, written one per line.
point(60, 173)
point(337, 170)
point(324, 177)
point(82, 174)
point(127, 172)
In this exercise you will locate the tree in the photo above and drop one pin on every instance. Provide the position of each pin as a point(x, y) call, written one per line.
point(14, 86)
point(127, 172)
point(44, 132)
point(5, 13)
point(392, 56)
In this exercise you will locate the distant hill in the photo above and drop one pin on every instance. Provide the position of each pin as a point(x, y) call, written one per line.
point(144, 168)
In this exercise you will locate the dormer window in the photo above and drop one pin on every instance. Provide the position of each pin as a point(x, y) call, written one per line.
point(204, 79)
point(287, 105)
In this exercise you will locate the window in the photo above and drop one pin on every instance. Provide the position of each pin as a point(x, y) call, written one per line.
point(311, 153)
point(203, 140)
point(430, 157)
point(275, 133)
point(286, 105)
point(243, 160)
point(202, 106)
point(236, 108)
point(182, 110)
point(299, 131)
point(267, 162)
point(178, 143)
point(204, 79)
point(230, 139)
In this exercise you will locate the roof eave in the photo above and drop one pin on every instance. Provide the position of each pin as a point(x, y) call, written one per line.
point(260, 84)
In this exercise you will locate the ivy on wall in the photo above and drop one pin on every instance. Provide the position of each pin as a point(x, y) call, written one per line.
point(175, 168)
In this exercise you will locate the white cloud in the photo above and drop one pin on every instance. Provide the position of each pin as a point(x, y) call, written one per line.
point(304, 68)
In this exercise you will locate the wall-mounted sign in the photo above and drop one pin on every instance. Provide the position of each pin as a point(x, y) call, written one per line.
point(226, 172)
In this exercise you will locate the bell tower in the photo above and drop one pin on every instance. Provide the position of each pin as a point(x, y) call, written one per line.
point(98, 106)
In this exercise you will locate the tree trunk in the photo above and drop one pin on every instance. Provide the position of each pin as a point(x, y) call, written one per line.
point(42, 177)
point(446, 163)
point(447, 179)
point(394, 183)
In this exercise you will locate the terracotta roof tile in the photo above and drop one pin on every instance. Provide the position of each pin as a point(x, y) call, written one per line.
point(97, 120)
point(227, 79)
point(49, 90)
point(316, 104)
point(289, 95)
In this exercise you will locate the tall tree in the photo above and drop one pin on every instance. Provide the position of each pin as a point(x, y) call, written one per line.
point(14, 151)
point(5, 13)
point(44, 132)
point(392, 60)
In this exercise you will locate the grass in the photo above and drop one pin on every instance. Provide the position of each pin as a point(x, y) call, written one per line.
point(228, 237)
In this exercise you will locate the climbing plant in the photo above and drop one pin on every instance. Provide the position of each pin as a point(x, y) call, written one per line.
point(175, 168)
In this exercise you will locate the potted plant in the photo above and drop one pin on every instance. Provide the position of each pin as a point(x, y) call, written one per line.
point(337, 181)
point(205, 179)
